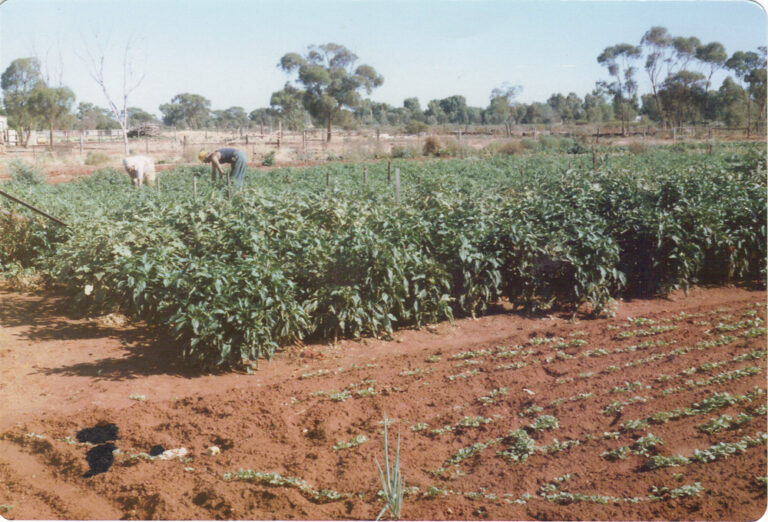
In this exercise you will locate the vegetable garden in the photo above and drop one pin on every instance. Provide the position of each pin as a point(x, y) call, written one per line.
point(326, 252)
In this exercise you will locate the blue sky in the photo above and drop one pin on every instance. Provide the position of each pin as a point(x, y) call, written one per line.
point(227, 50)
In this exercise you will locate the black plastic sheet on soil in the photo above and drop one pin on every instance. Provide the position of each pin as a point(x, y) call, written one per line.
point(100, 458)
point(98, 434)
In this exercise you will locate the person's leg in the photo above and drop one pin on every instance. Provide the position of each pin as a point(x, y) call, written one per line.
point(238, 169)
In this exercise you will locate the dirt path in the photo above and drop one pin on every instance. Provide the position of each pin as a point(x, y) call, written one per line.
point(481, 378)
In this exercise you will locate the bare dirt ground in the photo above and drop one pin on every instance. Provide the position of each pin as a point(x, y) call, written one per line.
point(472, 382)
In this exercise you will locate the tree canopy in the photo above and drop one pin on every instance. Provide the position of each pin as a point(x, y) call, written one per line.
point(330, 80)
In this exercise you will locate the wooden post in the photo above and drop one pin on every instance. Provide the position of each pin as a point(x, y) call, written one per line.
point(397, 186)
point(185, 145)
point(246, 139)
point(365, 175)
point(194, 187)
point(389, 171)
point(327, 178)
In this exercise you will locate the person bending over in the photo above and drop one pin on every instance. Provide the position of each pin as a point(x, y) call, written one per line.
point(141, 169)
point(236, 158)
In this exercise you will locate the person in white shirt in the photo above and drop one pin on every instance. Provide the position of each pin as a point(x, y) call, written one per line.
point(141, 169)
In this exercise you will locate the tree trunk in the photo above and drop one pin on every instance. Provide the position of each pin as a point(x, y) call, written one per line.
point(328, 133)
point(50, 135)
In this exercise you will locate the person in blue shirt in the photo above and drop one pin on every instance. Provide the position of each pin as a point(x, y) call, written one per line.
point(236, 158)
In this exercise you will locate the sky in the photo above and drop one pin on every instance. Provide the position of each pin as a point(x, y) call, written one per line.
point(228, 50)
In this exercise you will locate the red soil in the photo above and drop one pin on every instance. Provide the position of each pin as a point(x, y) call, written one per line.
point(60, 374)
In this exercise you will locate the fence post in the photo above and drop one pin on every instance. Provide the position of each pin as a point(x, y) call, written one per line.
point(397, 185)
point(194, 187)
point(389, 171)
point(365, 175)
point(327, 178)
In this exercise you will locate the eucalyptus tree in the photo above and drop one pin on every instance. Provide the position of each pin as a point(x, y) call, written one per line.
point(186, 110)
point(331, 80)
point(503, 103)
point(658, 43)
point(620, 59)
point(287, 106)
point(746, 66)
point(51, 105)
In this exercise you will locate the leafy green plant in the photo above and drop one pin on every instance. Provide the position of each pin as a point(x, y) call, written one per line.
point(519, 446)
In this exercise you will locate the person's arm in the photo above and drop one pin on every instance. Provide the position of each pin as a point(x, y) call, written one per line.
point(215, 165)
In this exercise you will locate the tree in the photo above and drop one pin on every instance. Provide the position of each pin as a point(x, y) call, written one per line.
point(231, 118)
point(619, 59)
point(596, 107)
point(502, 107)
point(757, 85)
point(18, 83)
point(413, 109)
point(51, 105)
point(435, 113)
point(330, 79)
point(131, 82)
point(187, 111)
point(288, 107)
point(137, 116)
point(91, 117)
point(713, 56)
point(685, 50)
point(261, 117)
point(569, 108)
point(731, 105)
point(744, 65)
point(683, 96)
point(455, 109)
point(658, 42)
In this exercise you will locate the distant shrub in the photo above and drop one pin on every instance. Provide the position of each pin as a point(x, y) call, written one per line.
point(507, 147)
point(96, 158)
point(415, 127)
point(637, 147)
point(549, 143)
point(450, 148)
point(403, 152)
point(268, 159)
point(23, 172)
point(431, 146)
point(529, 143)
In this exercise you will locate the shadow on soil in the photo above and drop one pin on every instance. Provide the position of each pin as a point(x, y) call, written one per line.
point(49, 317)
point(145, 356)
